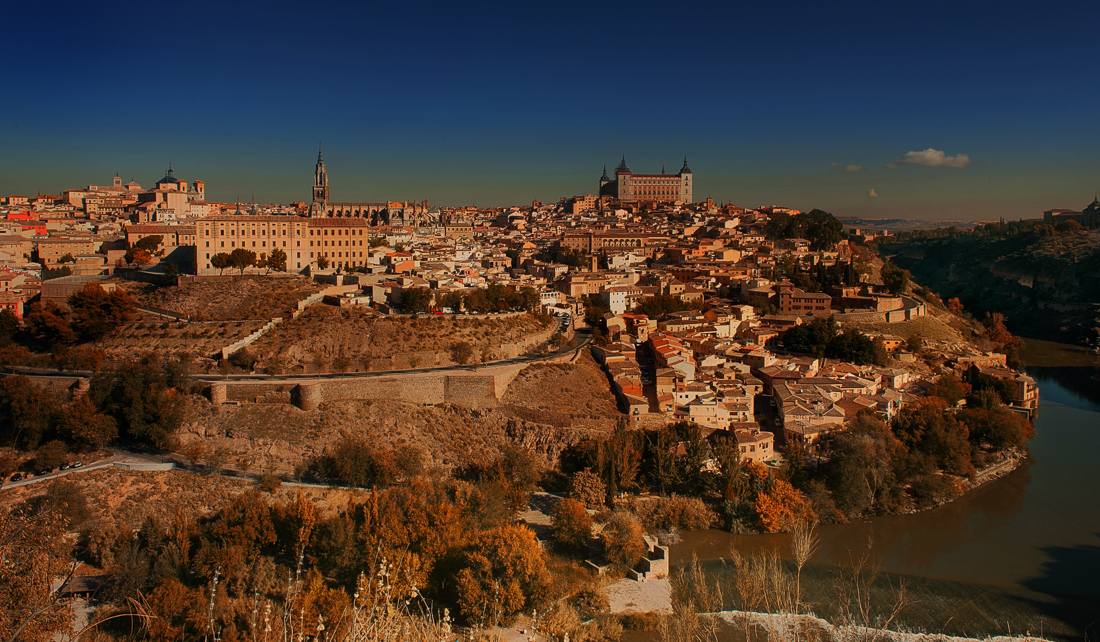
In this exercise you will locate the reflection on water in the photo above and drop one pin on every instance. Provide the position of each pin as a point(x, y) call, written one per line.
point(1025, 547)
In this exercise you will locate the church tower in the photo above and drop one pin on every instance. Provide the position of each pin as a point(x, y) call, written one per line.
point(320, 188)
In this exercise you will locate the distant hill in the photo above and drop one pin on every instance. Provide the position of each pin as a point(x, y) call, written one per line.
point(1046, 286)
point(903, 224)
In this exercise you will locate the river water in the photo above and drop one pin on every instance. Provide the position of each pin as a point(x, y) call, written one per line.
point(1019, 554)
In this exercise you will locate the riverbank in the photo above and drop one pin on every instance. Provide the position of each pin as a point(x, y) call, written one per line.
point(786, 626)
point(1019, 552)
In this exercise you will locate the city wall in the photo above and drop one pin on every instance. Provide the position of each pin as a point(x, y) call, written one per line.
point(468, 389)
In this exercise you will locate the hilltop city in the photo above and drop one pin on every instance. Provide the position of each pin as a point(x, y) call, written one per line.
point(561, 386)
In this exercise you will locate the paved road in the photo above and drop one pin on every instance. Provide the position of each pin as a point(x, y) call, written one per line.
point(122, 459)
point(580, 340)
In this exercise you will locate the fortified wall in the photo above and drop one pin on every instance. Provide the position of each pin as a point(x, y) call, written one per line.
point(467, 389)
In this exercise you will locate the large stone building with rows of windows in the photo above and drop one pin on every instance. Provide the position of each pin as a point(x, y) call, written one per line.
point(654, 188)
point(343, 241)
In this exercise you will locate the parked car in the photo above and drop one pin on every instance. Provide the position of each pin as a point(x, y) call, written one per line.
point(65, 466)
point(77, 464)
point(44, 472)
point(17, 477)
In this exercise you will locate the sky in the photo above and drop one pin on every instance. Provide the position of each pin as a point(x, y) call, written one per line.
point(953, 110)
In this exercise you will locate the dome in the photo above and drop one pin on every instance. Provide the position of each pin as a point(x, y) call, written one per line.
point(169, 178)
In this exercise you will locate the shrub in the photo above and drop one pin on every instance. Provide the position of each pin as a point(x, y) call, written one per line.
point(269, 482)
point(622, 540)
point(243, 359)
point(688, 513)
point(587, 488)
point(572, 524)
point(51, 454)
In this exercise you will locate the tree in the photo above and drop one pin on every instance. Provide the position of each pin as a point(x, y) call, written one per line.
point(277, 260)
point(462, 352)
point(416, 299)
point(357, 463)
point(586, 487)
point(322, 262)
point(572, 525)
point(34, 553)
point(660, 459)
point(504, 571)
point(242, 259)
point(51, 455)
point(9, 327)
point(894, 278)
point(781, 507)
point(48, 325)
point(149, 243)
point(618, 459)
point(97, 312)
point(660, 306)
point(220, 261)
point(26, 412)
point(622, 540)
point(80, 420)
point(243, 359)
point(171, 276)
point(138, 256)
point(861, 468)
point(141, 400)
point(949, 388)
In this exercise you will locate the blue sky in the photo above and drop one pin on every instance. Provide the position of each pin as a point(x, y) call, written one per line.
point(503, 103)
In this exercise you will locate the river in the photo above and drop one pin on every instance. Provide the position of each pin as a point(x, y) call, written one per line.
point(1019, 554)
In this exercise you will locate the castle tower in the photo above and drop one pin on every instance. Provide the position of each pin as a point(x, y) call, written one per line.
point(604, 180)
point(623, 177)
point(318, 208)
point(685, 182)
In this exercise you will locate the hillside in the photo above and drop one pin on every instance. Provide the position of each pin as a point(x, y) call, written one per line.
point(228, 299)
point(358, 339)
point(1046, 286)
point(279, 436)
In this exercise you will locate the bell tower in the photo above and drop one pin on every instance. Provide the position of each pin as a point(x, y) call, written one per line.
point(320, 188)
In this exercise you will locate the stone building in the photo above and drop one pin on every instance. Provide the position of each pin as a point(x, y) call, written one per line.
point(260, 234)
point(1089, 217)
point(655, 188)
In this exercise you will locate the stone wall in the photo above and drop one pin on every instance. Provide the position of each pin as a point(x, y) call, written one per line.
point(469, 389)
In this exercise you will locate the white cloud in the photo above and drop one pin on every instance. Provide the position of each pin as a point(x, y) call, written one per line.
point(850, 167)
point(871, 193)
point(931, 158)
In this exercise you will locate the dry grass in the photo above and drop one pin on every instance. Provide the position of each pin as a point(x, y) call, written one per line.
point(233, 298)
point(128, 496)
point(363, 340)
point(280, 436)
point(563, 395)
point(154, 333)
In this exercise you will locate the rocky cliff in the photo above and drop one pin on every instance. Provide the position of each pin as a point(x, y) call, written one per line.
point(1046, 286)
